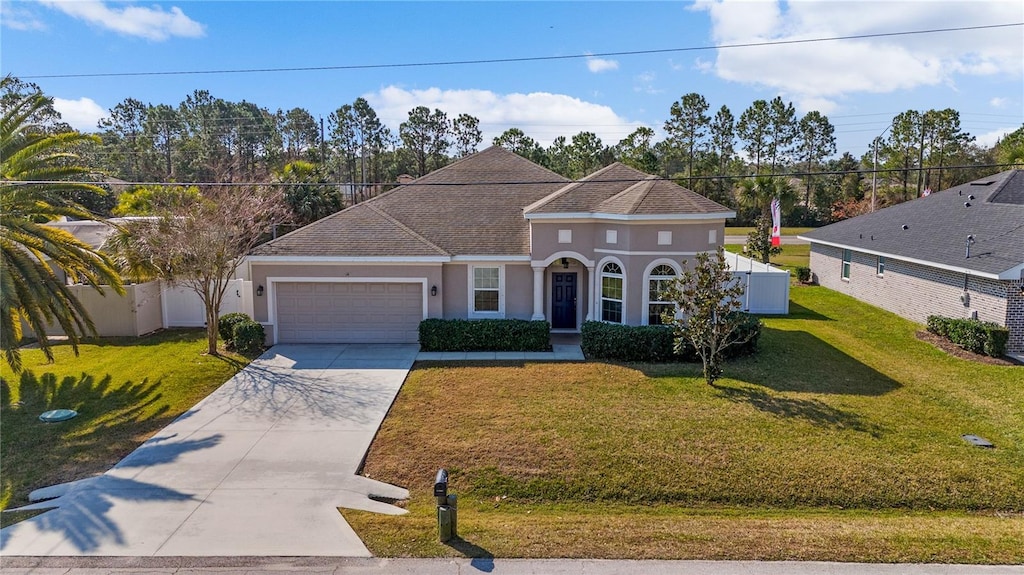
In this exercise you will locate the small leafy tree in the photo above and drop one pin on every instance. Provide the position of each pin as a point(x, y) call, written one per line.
point(708, 297)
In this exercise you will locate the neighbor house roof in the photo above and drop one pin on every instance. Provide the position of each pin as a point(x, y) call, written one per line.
point(933, 230)
point(475, 207)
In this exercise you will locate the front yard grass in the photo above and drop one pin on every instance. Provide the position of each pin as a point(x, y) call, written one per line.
point(840, 441)
point(124, 390)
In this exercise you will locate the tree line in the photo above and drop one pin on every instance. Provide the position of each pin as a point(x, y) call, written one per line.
point(208, 139)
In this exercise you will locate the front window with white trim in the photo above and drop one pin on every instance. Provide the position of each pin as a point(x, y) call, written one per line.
point(485, 293)
point(658, 284)
point(611, 293)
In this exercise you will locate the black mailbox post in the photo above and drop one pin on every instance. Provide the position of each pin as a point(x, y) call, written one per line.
point(441, 487)
point(447, 508)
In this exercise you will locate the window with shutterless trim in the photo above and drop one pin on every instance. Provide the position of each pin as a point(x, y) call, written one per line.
point(611, 293)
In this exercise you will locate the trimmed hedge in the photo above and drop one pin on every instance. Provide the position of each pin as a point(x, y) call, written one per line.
point(655, 343)
point(976, 336)
point(644, 343)
point(803, 273)
point(226, 325)
point(248, 336)
point(484, 335)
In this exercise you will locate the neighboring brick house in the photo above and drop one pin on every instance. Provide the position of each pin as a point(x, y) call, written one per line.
point(492, 235)
point(957, 253)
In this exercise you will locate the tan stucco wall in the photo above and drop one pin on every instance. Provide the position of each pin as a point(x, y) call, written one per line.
point(456, 290)
point(430, 272)
point(632, 236)
point(518, 291)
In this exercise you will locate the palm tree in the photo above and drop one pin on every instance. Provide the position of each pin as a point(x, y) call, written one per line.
point(758, 193)
point(35, 187)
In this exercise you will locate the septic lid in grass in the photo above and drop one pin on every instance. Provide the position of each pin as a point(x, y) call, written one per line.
point(56, 415)
point(979, 441)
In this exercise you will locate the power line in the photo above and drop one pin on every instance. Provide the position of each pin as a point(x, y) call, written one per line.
point(525, 58)
point(515, 182)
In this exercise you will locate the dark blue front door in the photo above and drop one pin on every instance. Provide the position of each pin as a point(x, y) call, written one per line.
point(563, 301)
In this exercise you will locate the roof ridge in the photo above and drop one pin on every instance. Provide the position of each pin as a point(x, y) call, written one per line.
point(649, 182)
point(407, 229)
point(1005, 178)
point(572, 185)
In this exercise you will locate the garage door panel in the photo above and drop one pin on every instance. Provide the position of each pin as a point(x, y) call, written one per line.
point(324, 312)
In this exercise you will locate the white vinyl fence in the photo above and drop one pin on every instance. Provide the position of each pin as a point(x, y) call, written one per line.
point(182, 307)
point(766, 287)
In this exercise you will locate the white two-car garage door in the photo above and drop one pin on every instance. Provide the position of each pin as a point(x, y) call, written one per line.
point(316, 312)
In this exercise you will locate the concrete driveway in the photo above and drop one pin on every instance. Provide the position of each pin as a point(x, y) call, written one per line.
point(257, 468)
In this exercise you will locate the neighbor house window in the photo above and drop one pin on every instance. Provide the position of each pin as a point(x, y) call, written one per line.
point(847, 256)
point(611, 293)
point(880, 266)
point(658, 303)
point(486, 290)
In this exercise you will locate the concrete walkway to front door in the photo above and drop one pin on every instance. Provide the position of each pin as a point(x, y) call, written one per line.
point(257, 468)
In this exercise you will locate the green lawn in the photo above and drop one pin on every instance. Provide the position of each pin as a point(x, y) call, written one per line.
point(786, 231)
point(124, 389)
point(840, 440)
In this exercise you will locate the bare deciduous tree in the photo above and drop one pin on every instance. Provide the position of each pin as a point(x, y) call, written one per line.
point(199, 244)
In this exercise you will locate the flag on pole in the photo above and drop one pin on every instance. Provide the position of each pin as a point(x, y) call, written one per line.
point(776, 222)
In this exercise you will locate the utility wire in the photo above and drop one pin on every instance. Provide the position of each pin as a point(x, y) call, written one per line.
point(511, 182)
point(527, 58)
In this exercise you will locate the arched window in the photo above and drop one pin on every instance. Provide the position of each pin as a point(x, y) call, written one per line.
point(611, 293)
point(658, 283)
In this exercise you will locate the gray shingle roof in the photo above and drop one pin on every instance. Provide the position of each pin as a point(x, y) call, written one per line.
point(937, 227)
point(474, 206)
point(621, 190)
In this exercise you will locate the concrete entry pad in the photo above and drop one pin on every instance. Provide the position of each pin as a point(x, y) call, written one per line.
point(258, 468)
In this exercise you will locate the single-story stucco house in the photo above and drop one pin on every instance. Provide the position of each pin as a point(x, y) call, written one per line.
point(492, 235)
point(956, 253)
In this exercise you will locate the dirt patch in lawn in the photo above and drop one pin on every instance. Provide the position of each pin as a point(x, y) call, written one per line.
point(957, 351)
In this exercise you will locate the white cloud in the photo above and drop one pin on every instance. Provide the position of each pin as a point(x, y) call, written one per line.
point(82, 113)
point(19, 18)
point(820, 71)
point(644, 82)
point(989, 139)
point(998, 102)
point(541, 115)
point(598, 65)
point(153, 23)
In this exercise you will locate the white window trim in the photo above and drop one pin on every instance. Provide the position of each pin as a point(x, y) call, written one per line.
point(844, 275)
point(880, 263)
point(471, 303)
point(600, 292)
point(647, 286)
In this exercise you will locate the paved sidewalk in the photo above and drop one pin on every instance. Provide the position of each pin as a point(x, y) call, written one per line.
point(321, 565)
point(259, 467)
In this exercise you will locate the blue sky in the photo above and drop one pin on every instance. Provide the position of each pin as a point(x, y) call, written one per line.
point(859, 84)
